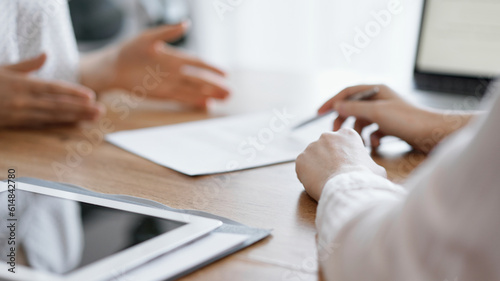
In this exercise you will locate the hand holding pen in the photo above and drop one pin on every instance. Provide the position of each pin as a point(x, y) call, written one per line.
point(363, 95)
point(393, 115)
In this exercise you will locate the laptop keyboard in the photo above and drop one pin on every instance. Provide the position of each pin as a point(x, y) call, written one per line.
point(452, 84)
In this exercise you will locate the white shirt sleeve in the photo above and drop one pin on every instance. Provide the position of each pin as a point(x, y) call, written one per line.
point(445, 229)
point(30, 27)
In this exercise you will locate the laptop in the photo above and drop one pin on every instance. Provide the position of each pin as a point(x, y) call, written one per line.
point(458, 47)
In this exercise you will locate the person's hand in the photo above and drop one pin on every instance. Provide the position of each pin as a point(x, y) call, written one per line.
point(333, 154)
point(178, 76)
point(421, 128)
point(26, 101)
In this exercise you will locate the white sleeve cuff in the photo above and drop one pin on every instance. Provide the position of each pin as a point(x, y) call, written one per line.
point(347, 195)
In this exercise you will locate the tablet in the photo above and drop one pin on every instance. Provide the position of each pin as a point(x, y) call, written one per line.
point(49, 234)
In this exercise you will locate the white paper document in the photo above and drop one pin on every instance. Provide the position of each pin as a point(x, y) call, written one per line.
point(189, 256)
point(223, 144)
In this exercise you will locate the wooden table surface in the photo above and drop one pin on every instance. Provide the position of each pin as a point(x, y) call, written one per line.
point(269, 197)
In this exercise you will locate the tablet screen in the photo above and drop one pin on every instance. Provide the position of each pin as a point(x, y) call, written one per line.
point(60, 235)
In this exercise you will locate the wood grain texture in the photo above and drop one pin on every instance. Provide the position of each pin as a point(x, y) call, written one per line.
point(269, 197)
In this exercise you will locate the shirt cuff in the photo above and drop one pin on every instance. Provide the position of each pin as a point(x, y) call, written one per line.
point(347, 195)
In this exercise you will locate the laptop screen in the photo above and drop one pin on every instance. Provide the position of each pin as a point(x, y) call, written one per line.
point(460, 38)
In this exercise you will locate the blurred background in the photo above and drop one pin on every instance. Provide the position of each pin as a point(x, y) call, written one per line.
point(278, 52)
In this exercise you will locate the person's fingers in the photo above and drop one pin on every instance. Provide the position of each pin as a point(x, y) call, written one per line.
point(188, 96)
point(200, 103)
point(28, 65)
point(68, 116)
point(344, 94)
point(375, 138)
point(351, 134)
point(35, 118)
point(207, 87)
point(39, 87)
point(28, 118)
point(65, 110)
point(188, 99)
point(201, 64)
point(359, 109)
point(360, 124)
point(167, 33)
point(337, 124)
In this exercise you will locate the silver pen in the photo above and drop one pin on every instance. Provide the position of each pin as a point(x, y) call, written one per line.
point(356, 97)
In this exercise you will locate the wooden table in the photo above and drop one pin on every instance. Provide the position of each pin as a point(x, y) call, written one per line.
point(270, 197)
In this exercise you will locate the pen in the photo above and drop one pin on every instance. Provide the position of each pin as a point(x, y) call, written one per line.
point(356, 97)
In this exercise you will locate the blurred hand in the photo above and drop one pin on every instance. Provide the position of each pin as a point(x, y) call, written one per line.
point(419, 127)
point(30, 102)
point(331, 155)
point(180, 77)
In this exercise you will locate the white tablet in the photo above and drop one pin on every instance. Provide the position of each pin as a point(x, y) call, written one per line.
point(49, 234)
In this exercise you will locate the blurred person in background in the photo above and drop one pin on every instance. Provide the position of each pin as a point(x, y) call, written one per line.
point(44, 81)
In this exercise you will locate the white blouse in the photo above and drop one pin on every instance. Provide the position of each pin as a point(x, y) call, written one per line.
point(30, 27)
point(445, 228)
